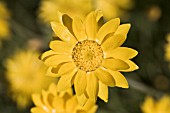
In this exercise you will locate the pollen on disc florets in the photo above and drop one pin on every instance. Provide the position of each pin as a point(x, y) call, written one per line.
point(87, 55)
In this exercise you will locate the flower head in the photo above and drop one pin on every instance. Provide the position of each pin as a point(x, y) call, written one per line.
point(89, 56)
point(52, 101)
point(49, 8)
point(111, 8)
point(25, 74)
point(4, 16)
point(160, 106)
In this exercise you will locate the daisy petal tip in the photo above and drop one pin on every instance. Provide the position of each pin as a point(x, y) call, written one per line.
point(137, 67)
point(106, 100)
point(129, 25)
point(118, 20)
point(126, 87)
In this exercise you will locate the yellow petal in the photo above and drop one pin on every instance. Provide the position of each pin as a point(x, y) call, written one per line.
point(60, 46)
point(71, 104)
point(38, 110)
point(58, 103)
point(148, 106)
point(57, 59)
point(119, 79)
point(92, 86)
point(107, 28)
point(91, 25)
point(114, 64)
point(93, 109)
point(47, 54)
point(123, 53)
point(51, 73)
point(66, 94)
point(98, 14)
point(163, 104)
point(132, 66)
point(53, 88)
point(89, 105)
point(113, 42)
point(105, 77)
point(63, 33)
point(80, 82)
point(103, 92)
point(65, 81)
point(82, 99)
point(45, 99)
point(61, 69)
point(123, 29)
point(67, 21)
point(66, 67)
point(37, 99)
point(79, 29)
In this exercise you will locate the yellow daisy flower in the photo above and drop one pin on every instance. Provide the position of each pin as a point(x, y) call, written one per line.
point(25, 73)
point(88, 56)
point(52, 101)
point(160, 106)
point(114, 8)
point(49, 8)
point(4, 16)
point(111, 8)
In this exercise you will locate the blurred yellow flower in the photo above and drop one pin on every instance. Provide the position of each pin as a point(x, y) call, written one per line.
point(49, 9)
point(4, 16)
point(88, 55)
point(114, 8)
point(52, 101)
point(160, 106)
point(167, 48)
point(26, 75)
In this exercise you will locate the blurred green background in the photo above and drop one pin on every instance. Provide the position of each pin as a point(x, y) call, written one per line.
point(150, 20)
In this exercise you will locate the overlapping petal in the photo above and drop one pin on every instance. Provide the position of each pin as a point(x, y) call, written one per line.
point(103, 91)
point(58, 103)
point(37, 99)
point(105, 77)
point(65, 81)
point(91, 25)
point(78, 29)
point(114, 64)
point(123, 53)
point(132, 66)
point(57, 59)
point(82, 99)
point(109, 27)
point(119, 79)
point(80, 82)
point(92, 86)
point(113, 42)
point(60, 46)
point(63, 33)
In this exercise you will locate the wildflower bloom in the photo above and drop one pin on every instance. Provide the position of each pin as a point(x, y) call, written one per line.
point(49, 8)
point(160, 106)
point(52, 101)
point(88, 55)
point(4, 16)
point(25, 73)
point(114, 8)
point(111, 8)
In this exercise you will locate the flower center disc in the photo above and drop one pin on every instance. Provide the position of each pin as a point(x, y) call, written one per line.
point(87, 55)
